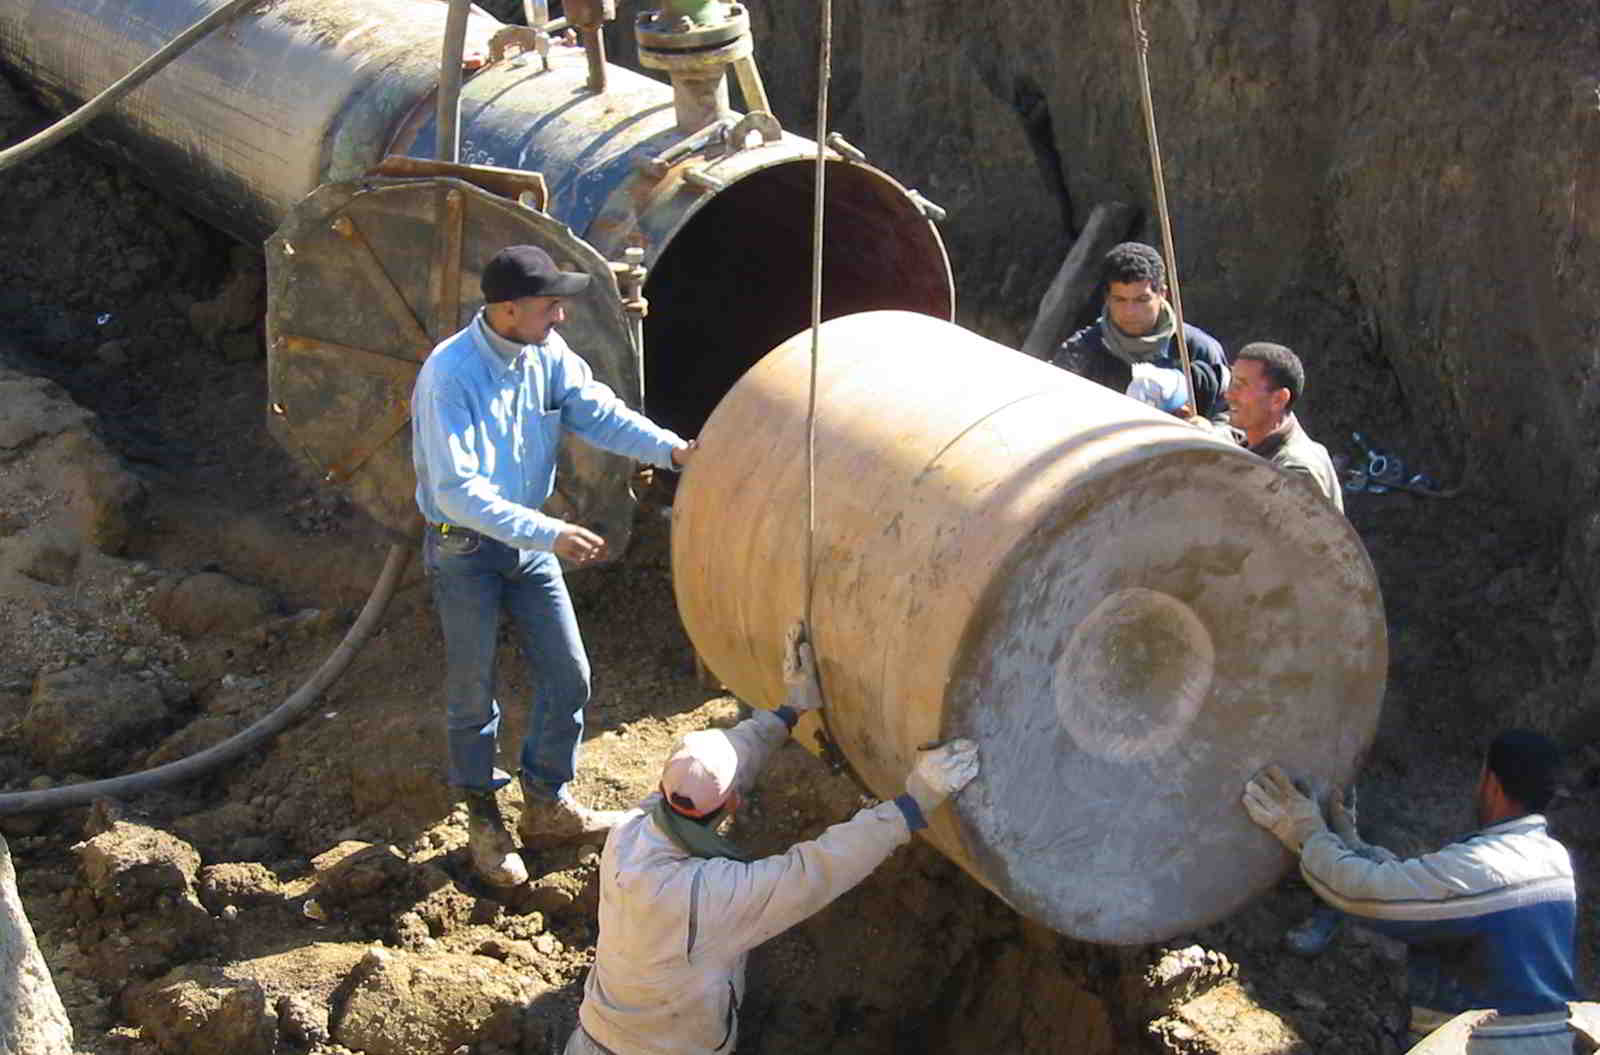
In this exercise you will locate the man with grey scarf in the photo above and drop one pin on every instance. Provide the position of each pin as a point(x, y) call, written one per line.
point(1132, 349)
point(681, 906)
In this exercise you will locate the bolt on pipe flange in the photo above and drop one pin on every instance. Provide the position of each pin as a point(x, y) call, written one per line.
point(661, 34)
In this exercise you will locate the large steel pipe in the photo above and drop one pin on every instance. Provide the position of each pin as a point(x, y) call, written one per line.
point(1130, 616)
point(299, 93)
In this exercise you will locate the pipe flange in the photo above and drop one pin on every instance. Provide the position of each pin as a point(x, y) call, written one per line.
point(709, 62)
point(658, 31)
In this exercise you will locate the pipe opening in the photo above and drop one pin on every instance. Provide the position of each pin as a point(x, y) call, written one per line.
point(735, 282)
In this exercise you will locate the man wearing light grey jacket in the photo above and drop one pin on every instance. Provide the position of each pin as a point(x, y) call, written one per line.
point(1490, 919)
point(681, 908)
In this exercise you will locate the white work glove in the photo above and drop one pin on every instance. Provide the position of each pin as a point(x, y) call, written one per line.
point(800, 671)
point(941, 772)
point(1277, 805)
point(1161, 387)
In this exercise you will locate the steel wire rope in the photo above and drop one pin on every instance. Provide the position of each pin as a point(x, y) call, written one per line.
point(824, 75)
point(1141, 48)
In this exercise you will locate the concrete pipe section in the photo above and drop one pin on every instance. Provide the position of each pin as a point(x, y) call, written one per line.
point(1130, 616)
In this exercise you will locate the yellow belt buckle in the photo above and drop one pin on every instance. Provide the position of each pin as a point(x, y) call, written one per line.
point(444, 529)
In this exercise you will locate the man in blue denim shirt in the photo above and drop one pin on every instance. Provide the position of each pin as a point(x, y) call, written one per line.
point(488, 412)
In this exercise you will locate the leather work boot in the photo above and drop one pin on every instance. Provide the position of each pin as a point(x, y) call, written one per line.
point(494, 855)
point(547, 822)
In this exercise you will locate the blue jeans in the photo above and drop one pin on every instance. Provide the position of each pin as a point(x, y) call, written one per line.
point(473, 578)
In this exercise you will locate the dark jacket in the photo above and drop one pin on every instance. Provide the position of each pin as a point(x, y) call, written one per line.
point(1085, 354)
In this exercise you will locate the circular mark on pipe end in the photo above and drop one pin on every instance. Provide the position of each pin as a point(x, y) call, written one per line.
point(1133, 675)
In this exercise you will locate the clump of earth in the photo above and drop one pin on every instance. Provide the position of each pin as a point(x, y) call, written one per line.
point(168, 576)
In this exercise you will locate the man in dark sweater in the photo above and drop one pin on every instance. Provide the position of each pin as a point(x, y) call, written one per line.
point(1132, 347)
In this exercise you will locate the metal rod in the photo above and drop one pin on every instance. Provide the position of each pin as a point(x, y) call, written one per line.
point(1141, 47)
point(824, 75)
point(455, 42)
point(594, 46)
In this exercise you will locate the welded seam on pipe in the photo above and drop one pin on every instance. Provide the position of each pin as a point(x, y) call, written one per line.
point(244, 741)
point(108, 98)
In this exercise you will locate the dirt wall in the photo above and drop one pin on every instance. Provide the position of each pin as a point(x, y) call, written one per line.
point(1426, 171)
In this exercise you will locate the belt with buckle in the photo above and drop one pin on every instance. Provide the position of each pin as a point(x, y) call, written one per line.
point(445, 530)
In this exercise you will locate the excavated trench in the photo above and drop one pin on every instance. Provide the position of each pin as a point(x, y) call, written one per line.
point(1487, 628)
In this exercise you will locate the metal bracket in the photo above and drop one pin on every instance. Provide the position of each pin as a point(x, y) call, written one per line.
point(525, 188)
point(760, 121)
point(524, 39)
point(630, 273)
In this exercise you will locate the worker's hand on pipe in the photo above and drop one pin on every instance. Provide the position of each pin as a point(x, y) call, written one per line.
point(800, 671)
point(579, 545)
point(1342, 817)
point(681, 455)
point(941, 772)
point(1273, 801)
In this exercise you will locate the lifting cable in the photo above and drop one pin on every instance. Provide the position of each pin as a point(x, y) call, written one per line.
point(1141, 48)
point(824, 73)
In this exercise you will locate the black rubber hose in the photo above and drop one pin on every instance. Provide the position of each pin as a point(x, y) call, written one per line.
point(138, 75)
point(242, 742)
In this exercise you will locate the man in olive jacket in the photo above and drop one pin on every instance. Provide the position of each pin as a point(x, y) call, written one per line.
point(1266, 383)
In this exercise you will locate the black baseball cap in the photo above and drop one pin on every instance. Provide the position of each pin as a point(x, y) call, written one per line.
point(528, 271)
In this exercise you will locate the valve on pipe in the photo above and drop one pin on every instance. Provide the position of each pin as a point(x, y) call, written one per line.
point(1130, 617)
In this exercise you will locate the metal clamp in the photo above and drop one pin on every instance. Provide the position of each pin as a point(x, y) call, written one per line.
point(657, 167)
point(522, 38)
point(847, 150)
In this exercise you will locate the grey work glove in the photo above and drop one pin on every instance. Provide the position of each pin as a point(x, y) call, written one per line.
point(1342, 819)
point(941, 772)
point(800, 671)
point(1277, 805)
